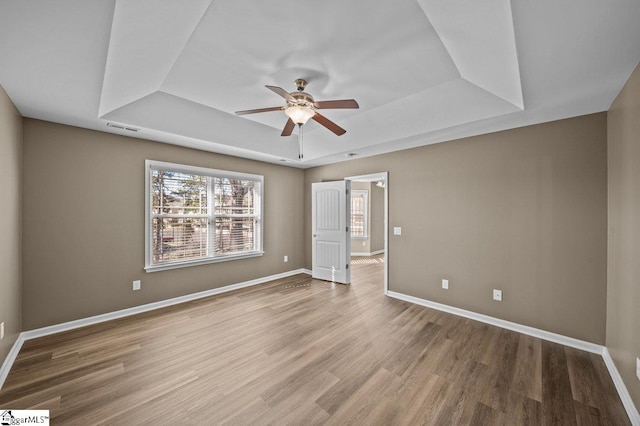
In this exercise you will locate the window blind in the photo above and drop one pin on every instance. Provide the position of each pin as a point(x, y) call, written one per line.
point(359, 207)
point(198, 214)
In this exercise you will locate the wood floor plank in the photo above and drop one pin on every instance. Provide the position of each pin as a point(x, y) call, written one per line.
point(588, 415)
point(361, 407)
point(408, 353)
point(557, 398)
point(616, 413)
point(303, 351)
point(484, 415)
point(501, 371)
point(527, 377)
point(426, 404)
point(466, 389)
point(364, 368)
point(581, 375)
point(523, 410)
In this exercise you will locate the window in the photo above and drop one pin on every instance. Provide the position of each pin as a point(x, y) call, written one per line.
point(359, 213)
point(197, 215)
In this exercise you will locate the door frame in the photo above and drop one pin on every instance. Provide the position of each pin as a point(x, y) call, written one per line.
point(373, 177)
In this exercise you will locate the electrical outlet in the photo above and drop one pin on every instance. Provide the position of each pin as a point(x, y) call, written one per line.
point(445, 284)
point(136, 285)
point(286, 259)
point(364, 243)
point(1, 330)
point(638, 368)
point(397, 230)
point(497, 295)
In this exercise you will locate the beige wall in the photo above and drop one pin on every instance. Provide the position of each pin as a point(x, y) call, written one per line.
point(623, 297)
point(83, 218)
point(523, 210)
point(10, 222)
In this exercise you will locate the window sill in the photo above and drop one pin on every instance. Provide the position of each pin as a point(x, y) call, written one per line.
point(167, 266)
point(360, 238)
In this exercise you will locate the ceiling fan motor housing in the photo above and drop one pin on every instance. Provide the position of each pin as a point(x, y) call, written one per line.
point(302, 99)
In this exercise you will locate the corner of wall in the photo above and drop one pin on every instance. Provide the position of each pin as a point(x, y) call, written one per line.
point(11, 141)
point(623, 242)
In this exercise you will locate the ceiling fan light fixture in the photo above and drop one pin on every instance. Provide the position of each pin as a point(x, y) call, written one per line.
point(299, 114)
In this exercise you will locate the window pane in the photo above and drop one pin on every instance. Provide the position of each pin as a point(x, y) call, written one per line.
point(236, 196)
point(357, 225)
point(178, 239)
point(358, 205)
point(178, 193)
point(235, 234)
point(236, 211)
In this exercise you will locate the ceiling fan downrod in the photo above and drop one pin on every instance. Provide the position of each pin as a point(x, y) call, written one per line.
point(300, 142)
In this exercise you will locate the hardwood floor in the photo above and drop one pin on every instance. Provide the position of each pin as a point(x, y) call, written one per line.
point(302, 351)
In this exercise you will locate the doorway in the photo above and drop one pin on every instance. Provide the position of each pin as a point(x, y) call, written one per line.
point(376, 182)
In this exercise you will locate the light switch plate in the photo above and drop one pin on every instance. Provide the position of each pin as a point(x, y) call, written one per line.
point(445, 284)
point(638, 368)
point(136, 285)
point(1, 330)
point(497, 295)
point(397, 230)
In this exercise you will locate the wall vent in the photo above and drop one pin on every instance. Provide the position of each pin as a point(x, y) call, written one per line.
point(122, 127)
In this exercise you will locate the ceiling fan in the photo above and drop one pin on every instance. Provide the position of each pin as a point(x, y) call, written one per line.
point(301, 107)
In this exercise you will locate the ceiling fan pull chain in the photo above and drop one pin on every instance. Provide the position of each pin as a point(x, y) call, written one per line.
point(300, 141)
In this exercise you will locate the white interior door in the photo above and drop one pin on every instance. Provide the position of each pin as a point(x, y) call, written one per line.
point(330, 231)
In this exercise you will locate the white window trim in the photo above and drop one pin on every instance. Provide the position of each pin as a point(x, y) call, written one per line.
point(365, 193)
point(204, 171)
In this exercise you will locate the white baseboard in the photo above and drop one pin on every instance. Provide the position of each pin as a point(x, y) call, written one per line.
point(535, 332)
point(71, 325)
point(10, 359)
point(632, 411)
point(629, 406)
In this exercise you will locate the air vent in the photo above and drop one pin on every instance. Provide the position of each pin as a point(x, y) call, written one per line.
point(122, 127)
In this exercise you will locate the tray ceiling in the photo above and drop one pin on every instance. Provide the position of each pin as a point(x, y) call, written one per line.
point(422, 71)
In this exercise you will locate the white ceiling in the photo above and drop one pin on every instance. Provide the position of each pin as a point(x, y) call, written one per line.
point(423, 71)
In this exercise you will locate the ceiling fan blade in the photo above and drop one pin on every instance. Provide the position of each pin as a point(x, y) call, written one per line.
point(280, 91)
point(329, 124)
point(288, 128)
point(343, 103)
point(254, 111)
